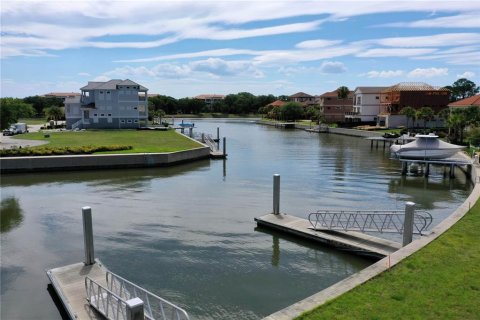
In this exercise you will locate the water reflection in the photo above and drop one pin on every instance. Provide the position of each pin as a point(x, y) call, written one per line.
point(10, 213)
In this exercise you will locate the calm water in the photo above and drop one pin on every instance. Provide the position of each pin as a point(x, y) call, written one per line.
point(187, 233)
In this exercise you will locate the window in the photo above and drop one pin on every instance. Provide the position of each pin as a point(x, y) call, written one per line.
point(377, 97)
point(129, 121)
point(136, 120)
point(122, 121)
point(102, 115)
point(337, 108)
point(95, 115)
point(109, 114)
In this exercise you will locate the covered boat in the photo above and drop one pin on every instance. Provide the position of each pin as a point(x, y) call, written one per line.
point(425, 146)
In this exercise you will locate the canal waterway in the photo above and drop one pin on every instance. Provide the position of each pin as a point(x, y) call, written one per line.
point(187, 232)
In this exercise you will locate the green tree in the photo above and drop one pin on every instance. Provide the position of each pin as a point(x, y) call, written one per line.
point(312, 113)
point(166, 103)
point(342, 92)
point(425, 114)
point(410, 113)
point(473, 136)
point(462, 88)
point(11, 109)
point(54, 113)
point(456, 123)
point(291, 111)
point(40, 103)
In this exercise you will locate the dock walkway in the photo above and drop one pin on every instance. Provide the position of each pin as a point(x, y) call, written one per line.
point(69, 284)
point(351, 241)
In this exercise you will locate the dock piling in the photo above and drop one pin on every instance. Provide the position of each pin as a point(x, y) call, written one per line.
point(88, 235)
point(224, 146)
point(218, 133)
point(276, 194)
point(408, 223)
point(135, 309)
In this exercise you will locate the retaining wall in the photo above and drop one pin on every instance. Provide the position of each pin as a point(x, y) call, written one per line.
point(100, 161)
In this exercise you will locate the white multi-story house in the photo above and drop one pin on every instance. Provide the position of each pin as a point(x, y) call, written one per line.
point(366, 104)
point(114, 104)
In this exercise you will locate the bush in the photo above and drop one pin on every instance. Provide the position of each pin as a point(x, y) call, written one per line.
point(50, 151)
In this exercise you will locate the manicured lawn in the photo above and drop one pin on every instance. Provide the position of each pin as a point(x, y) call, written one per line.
point(30, 121)
point(141, 141)
point(441, 281)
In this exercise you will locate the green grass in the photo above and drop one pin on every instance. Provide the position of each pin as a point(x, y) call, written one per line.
point(141, 141)
point(441, 281)
point(31, 121)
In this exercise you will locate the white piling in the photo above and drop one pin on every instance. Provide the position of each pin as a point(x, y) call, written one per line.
point(88, 236)
point(276, 194)
point(408, 223)
point(135, 309)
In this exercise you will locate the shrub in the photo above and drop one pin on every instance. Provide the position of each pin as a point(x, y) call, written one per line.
point(48, 151)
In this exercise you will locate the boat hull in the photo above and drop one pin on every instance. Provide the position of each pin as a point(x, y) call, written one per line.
point(423, 154)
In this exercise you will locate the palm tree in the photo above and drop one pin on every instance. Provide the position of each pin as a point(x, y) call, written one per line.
point(342, 92)
point(426, 114)
point(410, 113)
point(457, 121)
point(54, 113)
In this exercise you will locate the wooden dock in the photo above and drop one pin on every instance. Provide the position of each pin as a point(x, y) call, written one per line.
point(218, 155)
point(69, 284)
point(356, 242)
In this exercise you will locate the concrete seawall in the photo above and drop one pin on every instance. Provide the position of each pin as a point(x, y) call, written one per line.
point(100, 161)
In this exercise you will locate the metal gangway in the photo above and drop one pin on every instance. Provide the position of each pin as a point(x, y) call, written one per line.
point(116, 301)
point(382, 221)
point(208, 140)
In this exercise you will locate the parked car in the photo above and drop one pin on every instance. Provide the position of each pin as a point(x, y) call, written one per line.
point(16, 128)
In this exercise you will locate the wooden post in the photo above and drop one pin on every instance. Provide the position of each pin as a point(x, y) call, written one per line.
point(135, 309)
point(88, 236)
point(408, 223)
point(404, 168)
point(218, 133)
point(452, 171)
point(224, 146)
point(190, 132)
point(427, 169)
point(276, 194)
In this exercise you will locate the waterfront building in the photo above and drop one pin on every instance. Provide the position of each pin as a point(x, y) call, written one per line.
point(114, 104)
point(473, 101)
point(409, 94)
point(276, 103)
point(61, 95)
point(332, 108)
point(210, 99)
point(366, 104)
point(303, 98)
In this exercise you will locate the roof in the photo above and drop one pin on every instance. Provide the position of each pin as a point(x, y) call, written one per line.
point(300, 95)
point(111, 85)
point(62, 94)
point(210, 96)
point(370, 89)
point(473, 101)
point(72, 99)
point(334, 94)
point(277, 103)
point(414, 86)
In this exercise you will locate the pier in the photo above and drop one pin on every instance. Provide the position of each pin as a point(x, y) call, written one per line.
point(424, 165)
point(352, 241)
point(402, 139)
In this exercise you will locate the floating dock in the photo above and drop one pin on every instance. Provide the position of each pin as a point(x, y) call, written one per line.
point(356, 242)
point(69, 284)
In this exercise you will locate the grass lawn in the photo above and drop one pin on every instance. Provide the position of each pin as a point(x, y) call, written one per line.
point(141, 141)
point(441, 281)
point(30, 121)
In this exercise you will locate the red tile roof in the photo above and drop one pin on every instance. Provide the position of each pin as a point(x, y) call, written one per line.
point(277, 103)
point(334, 94)
point(300, 95)
point(467, 102)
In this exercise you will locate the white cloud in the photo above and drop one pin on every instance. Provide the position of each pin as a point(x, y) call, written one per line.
point(394, 52)
point(469, 20)
point(436, 40)
point(428, 72)
point(84, 74)
point(385, 74)
point(320, 43)
point(466, 74)
point(332, 67)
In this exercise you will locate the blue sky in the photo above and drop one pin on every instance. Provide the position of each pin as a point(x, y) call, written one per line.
point(182, 49)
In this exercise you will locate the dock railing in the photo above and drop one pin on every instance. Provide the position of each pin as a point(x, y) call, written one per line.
point(369, 221)
point(110, 305)
point(155, 307)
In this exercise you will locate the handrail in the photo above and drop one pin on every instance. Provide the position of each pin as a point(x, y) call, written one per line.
point(110, 305)
point(368, 221)
point(155, 307)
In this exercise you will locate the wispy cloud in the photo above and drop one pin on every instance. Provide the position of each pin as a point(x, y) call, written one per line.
point(385, 74)
point(466, 74)
point(428, 72)
point(333, 67)
point(469, 20)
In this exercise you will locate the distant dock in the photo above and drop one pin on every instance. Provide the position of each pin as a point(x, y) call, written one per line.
point(356, 242)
